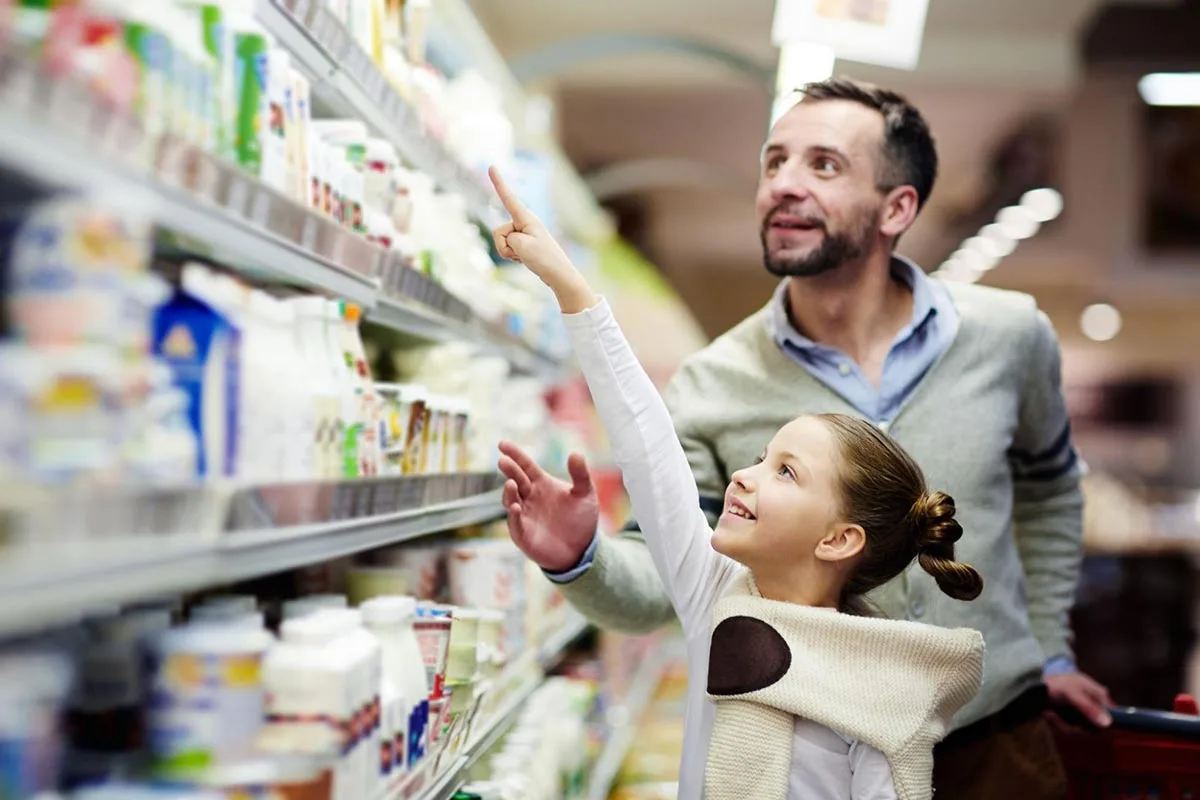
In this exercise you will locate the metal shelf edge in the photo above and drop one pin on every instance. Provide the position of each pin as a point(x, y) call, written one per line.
point(189, 565)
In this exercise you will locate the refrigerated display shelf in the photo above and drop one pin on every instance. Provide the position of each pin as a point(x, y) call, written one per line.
point(346, 82)
point(421, 322)
point(451, 779)
point(44, 583)
point(624, 721)
point(53, 132)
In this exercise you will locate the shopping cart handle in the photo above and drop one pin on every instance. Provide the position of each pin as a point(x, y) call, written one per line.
point(1148, 721)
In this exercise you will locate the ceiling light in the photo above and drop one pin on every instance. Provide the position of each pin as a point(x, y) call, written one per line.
point(991, 248)
point(1003, 244)
point(955, 270)
point(975, 260)
point(1018, 222)
point(1100, 322)
point(1171, 88)
point(1043, 204)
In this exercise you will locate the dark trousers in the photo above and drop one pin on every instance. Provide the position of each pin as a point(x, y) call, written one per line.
point(1007, 756)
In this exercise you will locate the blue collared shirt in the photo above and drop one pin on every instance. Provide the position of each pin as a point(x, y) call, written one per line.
point(914, 350)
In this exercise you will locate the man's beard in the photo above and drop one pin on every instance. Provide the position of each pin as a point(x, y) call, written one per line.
point(836, 248)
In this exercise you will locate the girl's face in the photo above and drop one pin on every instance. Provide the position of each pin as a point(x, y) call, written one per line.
point(782, 511)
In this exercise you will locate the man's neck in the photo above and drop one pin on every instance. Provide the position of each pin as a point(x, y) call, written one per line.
point(857, 308)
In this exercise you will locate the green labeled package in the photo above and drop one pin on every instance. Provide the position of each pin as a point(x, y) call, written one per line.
point(250, 52)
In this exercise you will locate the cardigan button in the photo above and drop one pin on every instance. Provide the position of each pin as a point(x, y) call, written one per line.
point(917, 608)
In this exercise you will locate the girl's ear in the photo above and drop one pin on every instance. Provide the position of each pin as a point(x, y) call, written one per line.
point(843, 541)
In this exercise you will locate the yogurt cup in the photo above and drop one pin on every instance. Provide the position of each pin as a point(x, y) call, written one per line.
point(432, 627)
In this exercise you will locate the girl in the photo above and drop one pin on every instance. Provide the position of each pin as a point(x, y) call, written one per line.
point(795, 691)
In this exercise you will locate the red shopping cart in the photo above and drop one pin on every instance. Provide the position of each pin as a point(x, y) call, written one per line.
point(1145, 755)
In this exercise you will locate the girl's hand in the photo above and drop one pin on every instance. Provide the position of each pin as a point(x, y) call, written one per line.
point(526, 241)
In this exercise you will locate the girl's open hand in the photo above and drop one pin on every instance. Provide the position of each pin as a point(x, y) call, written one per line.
point(527, 241)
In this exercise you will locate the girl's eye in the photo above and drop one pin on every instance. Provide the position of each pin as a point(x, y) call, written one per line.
point(786, 472)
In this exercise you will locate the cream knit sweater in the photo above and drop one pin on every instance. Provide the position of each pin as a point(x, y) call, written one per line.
point(893, 685)
point(849, 662)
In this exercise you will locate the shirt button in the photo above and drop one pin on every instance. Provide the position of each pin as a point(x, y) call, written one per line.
point(844, 368)
point(918, 609)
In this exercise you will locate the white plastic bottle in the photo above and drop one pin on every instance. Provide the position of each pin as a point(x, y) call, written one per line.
point(295, 414)
point(383, 617)
point(363, 651)
point(309, 682)
point(322, 385)
point(370, 410)
point(347, 384)
point(413, 683)
point(267, 375)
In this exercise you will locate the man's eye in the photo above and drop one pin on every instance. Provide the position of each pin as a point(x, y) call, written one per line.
point(825, 165)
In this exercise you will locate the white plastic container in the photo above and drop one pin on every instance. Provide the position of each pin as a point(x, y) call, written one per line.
point(207, 697)
point(274, 134)
point(414, 686)
point(309, 684)
point(347, 386)
point(379, 190)
point(323, 390)
point(386, 618)
point(363, 649)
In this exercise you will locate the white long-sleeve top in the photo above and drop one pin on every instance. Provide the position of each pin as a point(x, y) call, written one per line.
point(825, 764)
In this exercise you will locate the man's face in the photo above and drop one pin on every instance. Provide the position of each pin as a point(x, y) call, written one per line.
point(818, 199)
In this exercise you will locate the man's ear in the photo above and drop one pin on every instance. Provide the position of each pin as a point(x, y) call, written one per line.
point(900, 209)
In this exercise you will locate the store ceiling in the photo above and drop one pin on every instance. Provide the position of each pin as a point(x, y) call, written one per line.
point(681, 134)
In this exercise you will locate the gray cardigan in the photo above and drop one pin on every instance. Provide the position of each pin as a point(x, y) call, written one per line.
point(987, 423)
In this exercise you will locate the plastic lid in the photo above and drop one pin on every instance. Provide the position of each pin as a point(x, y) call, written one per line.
point(214, 638)
point(388, 610)
point(308, 306)
point(382, 150)
point(341, 131)
point(315, 629)
point(351, 312)
point(343, 619)
point(238, 602)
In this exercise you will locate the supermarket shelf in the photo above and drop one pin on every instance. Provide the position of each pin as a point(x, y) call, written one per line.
point(55, 133)
point(420, 321)
point(51, 582)
point(457, 28)
point(448, 783)
point(347, 83)
point(533, 666)
point(624, 722)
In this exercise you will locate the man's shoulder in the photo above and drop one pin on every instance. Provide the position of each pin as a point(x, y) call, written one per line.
point(740, 350)
point(990, 311)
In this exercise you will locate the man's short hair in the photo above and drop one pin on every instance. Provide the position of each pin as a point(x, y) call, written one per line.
point(909, 154)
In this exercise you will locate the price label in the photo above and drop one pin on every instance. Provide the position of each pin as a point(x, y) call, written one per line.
point(260, 208)
point(239, 193)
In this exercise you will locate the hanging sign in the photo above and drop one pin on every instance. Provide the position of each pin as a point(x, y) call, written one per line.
point(883, 32)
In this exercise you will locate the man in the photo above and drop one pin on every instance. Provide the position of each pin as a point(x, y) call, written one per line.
point(967, 378)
